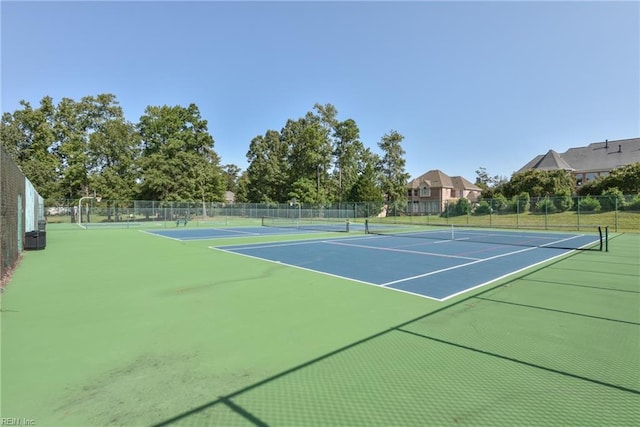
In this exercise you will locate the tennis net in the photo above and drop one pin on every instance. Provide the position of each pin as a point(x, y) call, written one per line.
point(592, 239)
point(313, 224)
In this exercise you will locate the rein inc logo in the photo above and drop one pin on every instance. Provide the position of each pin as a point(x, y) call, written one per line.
point(15, 421)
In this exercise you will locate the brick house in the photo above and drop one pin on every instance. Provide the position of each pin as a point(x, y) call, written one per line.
point(429, 193)
point(587, 163)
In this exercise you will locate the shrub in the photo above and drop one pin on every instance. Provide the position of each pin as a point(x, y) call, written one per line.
point(499, 203)
point(520, 203)
point(634, 204)
point(563, 202)
point(545, 205)
point(612, 199)
point(589, 204)
point(483, 208)
point(463, 206)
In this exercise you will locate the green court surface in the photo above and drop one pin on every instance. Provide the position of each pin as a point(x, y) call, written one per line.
point(120, 327)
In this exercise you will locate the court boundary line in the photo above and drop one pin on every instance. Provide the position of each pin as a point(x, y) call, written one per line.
point(160, 235)
point(244, 234)
point(402, 251)
point(387, 285)
point(477, 261)
point(322, 272)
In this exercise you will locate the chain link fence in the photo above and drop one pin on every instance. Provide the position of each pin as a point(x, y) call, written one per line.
point(21, 210)
point(619, 212)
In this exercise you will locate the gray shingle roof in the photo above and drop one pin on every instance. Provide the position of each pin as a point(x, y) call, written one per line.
point(598, 156)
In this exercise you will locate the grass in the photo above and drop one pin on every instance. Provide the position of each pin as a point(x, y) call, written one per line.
point(119, 327)
point(617, 221)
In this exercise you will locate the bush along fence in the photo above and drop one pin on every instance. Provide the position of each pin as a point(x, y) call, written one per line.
point(619, 212)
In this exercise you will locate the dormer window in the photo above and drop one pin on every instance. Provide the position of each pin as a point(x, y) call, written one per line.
point(425, 191)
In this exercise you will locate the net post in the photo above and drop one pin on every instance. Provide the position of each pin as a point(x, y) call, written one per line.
point(600, 233)
point(347, 225)
point(366, 226)
point(262, 221)
point(606, 238)
point(453, 236)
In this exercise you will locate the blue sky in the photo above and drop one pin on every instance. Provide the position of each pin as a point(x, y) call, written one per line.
point(468, 84)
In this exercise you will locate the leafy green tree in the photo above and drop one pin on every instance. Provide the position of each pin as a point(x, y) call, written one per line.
point(28, 136)
point(490, 185)
point(178, 161)
point(309, 158)
point(232, 174)
point(348, 150)
point(625, 178)
point(112, 150)
point(394, 177)
point(268, 169)
point(538, 183)
point(366, 189)
point(72, 130)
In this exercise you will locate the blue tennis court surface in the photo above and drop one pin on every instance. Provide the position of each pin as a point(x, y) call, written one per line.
point(227, 232)
point(436, 269)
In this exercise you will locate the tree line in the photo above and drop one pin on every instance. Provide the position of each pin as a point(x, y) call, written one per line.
point(83, 148)
point(74, 149)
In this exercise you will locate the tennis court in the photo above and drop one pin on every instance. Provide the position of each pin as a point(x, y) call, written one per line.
point(121, 327)
point(435, 263)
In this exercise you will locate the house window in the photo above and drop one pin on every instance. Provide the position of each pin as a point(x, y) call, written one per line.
point(591, 176)
point(425, 191)
point(453, 193)
point(579, 179)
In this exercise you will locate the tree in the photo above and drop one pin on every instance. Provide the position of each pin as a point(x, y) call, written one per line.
point(268, 169)
point(625, 178)
point(394, 177)
point(232, 174)
point(309, 157)
point(348, 150)
point(539, 183)
point(178, 161)
point(489, 185)
point(28, 135)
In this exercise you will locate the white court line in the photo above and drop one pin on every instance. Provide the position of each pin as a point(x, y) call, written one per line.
point(160, 235)
point(479, 261)
point(323, 273)
point(401, 250)
point(504, 275)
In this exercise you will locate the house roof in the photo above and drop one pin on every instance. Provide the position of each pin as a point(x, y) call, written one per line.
point(438, 179)
point(460, 183)
point(598, 156)
point(550, 161)
point(434, 178)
